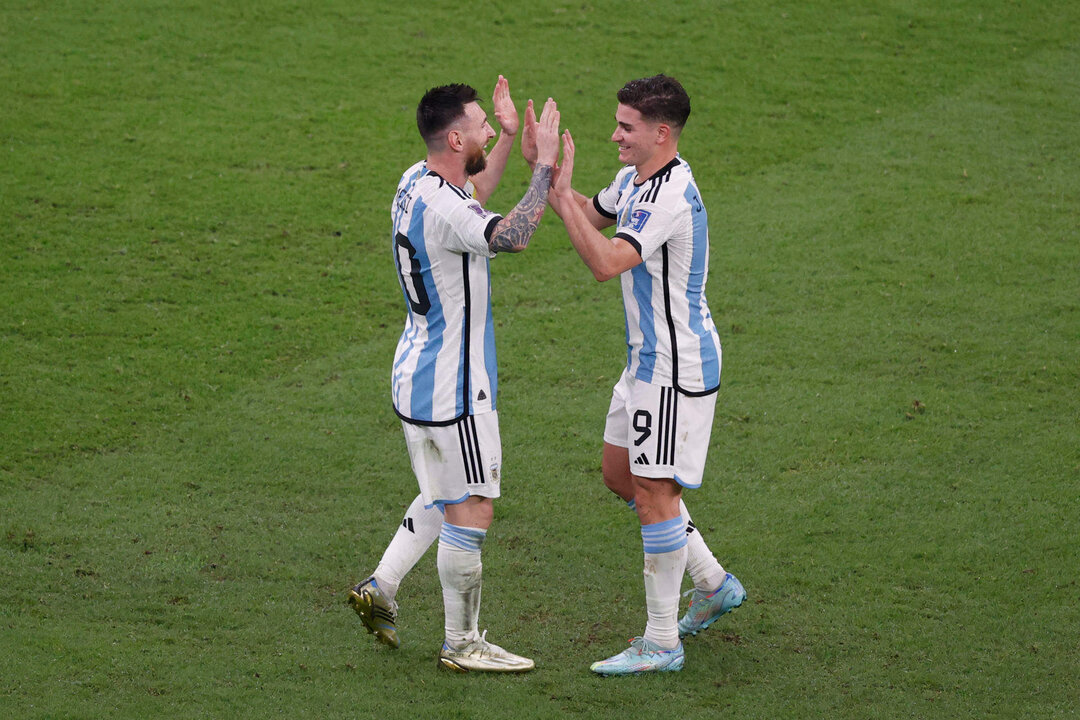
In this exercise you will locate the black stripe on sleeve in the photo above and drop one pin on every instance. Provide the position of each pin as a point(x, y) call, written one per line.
point(602, 211)
point(633, 242)
point(491, 227)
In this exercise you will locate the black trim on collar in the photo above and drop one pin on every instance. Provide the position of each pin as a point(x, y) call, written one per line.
point(443, 181)
point(674, 161)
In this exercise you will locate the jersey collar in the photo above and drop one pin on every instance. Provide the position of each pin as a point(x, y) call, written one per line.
point(674, 161)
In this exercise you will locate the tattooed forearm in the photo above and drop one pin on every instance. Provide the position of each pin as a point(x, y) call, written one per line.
point(514, 231)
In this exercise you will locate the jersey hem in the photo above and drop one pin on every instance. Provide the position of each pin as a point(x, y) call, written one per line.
point(678, 388)
point(430, 423)
point(439, 423)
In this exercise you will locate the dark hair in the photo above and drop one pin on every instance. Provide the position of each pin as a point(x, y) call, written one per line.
point(440, 107)
point(659, 99)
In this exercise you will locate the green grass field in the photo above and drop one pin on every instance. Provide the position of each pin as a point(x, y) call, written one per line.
point(198, 312)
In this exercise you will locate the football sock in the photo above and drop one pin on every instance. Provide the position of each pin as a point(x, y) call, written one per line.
point(414, 536)
point(665, 561)
point(706, 572)
point(703, 567)
point(460, 572)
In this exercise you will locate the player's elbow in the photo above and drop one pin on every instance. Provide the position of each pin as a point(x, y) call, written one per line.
point(603, 273)
point(499, 245)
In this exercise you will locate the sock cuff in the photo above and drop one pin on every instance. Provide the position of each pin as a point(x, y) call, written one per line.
point(463, 538)
point(664, 537)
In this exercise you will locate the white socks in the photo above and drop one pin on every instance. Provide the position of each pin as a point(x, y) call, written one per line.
point(460, 572)
point(665, 561)
point(706, 572)
point(414, 536)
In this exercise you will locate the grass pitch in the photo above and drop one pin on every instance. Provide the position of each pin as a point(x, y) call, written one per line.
point(197, 450)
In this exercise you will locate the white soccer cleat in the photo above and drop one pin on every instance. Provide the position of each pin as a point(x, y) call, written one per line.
point(479, 655)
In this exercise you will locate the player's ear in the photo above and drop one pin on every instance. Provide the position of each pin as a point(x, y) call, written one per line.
point(454, 140)
point(663, 132)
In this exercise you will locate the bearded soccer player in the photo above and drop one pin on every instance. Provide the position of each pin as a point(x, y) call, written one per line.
point(444, 377)
point(661, 412)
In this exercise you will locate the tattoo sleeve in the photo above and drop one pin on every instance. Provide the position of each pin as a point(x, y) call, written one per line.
point(514, 231)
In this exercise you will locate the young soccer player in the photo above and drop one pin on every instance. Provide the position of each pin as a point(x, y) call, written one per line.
point(661, 412)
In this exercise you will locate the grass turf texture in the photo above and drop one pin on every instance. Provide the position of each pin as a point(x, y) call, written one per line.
point(197, 452)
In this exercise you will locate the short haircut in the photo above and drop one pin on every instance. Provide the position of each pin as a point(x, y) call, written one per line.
point(440, 107)
point(659, 99)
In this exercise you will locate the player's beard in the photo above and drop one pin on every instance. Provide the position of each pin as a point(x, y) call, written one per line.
point(476, 162)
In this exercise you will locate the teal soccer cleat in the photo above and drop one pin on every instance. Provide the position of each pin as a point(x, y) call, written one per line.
point(705, 608)
point(641, 657)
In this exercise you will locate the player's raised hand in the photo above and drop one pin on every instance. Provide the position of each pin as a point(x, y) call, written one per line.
point(561, 195)
point(505, 112)
point(528, 135)
point(547, 134)
point(565, 172)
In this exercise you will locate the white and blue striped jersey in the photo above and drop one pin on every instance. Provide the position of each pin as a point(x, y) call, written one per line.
point(444, 366)
point(670, 336)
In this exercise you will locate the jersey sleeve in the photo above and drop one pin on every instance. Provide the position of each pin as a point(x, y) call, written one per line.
point(469, 227)
point(606, 201)
point(647, 227)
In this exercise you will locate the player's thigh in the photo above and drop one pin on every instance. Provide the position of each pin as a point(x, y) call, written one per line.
point(455, 462)
point(617, 423)
point(615, 462)
point(669, 433)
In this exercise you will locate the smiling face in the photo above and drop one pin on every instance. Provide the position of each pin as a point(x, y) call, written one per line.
point(475, 133)
point(636, 137)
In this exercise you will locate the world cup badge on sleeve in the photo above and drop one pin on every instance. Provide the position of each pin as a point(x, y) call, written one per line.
point(638, 218)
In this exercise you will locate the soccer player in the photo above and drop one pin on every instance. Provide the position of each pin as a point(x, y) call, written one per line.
point(661, 412)
point(444, 379)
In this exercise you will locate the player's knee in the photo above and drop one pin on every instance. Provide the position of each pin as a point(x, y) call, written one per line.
point(656, 494)
point(619, 485)
point(485, 512)
point(616, 474)
point(475, 512)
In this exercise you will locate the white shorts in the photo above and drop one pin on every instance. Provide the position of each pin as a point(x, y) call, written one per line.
point(665, 433)
point(454, 462)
